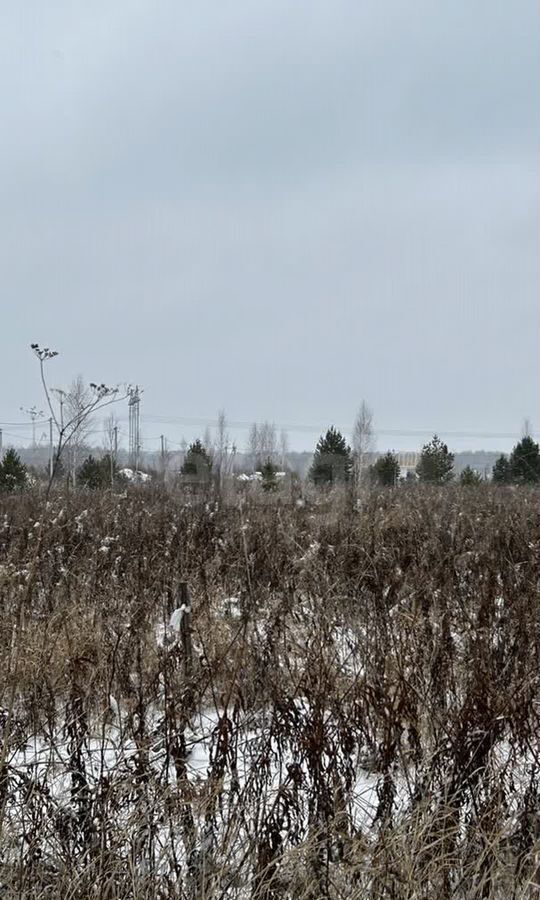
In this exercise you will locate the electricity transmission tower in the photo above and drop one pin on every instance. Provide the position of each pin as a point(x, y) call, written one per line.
point(134, 427)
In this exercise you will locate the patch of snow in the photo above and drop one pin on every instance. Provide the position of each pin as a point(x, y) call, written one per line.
point(135, 477)
point(231, 607)
point(175, 622)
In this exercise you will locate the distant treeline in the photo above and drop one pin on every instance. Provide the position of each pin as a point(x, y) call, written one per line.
point(297, 461)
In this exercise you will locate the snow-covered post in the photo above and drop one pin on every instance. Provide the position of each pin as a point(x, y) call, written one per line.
point(185, 630)
point(181, 620)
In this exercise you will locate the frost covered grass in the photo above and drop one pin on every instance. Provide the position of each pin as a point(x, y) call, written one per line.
point(326, 701)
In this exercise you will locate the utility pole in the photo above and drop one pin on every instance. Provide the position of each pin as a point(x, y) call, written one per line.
point(113, 453)
point(0, 440)
point(51, 449)
point(61, 395)
point(34, 413)
point(162, 438)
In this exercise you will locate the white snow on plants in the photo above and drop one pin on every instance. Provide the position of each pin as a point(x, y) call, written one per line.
point(136, 477)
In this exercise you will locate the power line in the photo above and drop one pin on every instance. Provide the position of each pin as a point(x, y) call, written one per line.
point(25, 424)
point(199, 421)
point(12, 434)
point(388, 432)
point(315, 429)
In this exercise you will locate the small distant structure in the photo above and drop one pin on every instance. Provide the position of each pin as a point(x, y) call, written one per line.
point(408, 462)
point(407, 459)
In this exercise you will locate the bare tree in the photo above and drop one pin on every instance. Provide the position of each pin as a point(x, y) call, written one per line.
point(262, 443)
point(69, 426)
point(208, 440)
point(223, 451)
point(76, 401)
point(110, 433)
point(284, 447)
point(253, 445)
point(222, 437)
point(363, 440)
point(268, 442)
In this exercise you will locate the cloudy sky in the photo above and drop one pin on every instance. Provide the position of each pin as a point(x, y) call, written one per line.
point(275, 207)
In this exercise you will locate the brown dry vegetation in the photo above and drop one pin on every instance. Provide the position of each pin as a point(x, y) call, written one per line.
point(362, 722)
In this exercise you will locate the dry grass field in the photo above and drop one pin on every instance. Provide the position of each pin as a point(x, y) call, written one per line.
point(270, 701)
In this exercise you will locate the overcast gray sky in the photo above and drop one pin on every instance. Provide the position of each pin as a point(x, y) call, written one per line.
point(276, 207)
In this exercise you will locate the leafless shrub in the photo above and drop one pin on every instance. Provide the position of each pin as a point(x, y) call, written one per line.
point(344, 705)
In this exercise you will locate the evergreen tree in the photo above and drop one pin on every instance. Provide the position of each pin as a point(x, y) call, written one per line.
point(13, 473)
point(385, 471)
point(95, 474)
point(436, 463)
point(269, 481)
point(525, 462)
point(501, 472)
point(90, 474)
point(197, 463)
point(470, 477)
point(332, 461)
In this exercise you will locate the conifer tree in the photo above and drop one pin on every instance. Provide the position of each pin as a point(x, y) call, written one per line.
point(332, 460)
point(385, 472)
point(501, 472)
point(525, 462)
point(436, 463)
point(269, 481)
point(470, 477)
point(95, 474)
point(13, 472)
point(197, 463)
